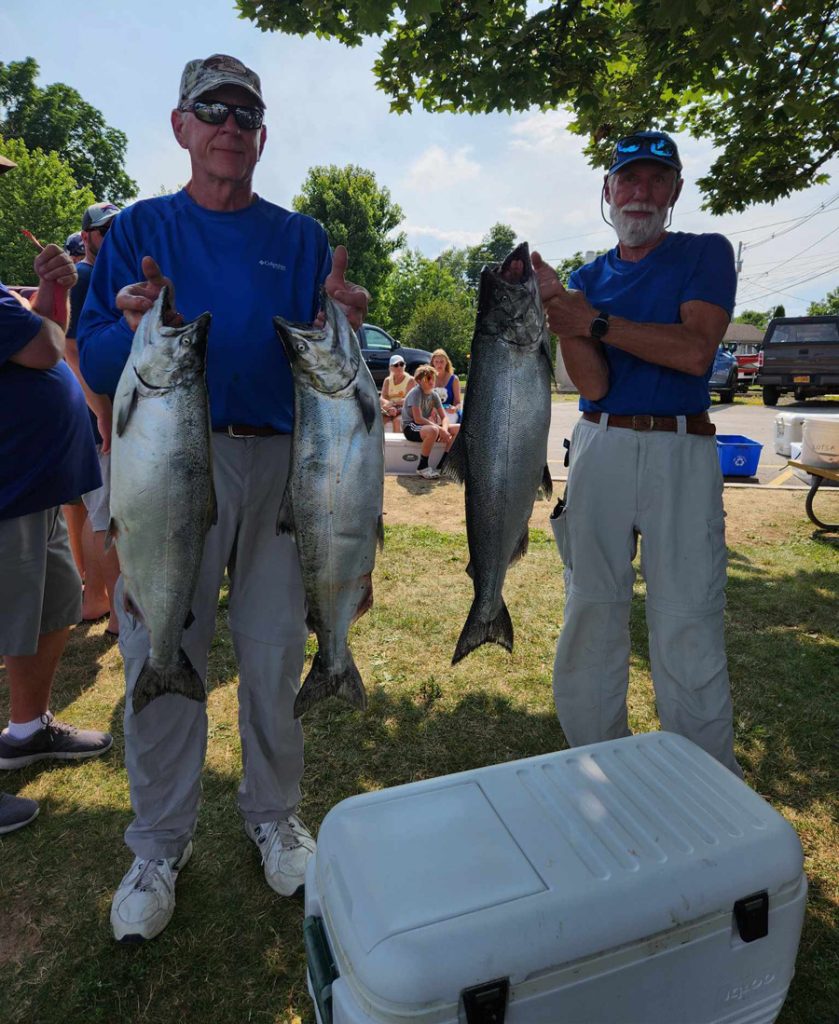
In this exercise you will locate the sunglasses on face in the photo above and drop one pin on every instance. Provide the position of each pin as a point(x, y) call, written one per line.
point(640, 143)
point(247, 118)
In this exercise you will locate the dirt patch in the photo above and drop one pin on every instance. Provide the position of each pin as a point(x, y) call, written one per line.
point(752, 515)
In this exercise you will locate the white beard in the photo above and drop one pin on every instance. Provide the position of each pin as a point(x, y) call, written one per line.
point(633, 232)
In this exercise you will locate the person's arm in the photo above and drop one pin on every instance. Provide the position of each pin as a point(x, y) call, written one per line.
point(114, 307)
point(583, 356)
point(386, 389)
point(456, 390)
point(55, 269)
point(688, 346)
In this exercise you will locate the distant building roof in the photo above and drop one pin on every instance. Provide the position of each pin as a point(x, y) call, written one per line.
point(743, 332)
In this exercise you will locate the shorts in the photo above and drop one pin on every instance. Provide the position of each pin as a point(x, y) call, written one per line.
point(412, 431)
point(98, 502)
point(40, 587)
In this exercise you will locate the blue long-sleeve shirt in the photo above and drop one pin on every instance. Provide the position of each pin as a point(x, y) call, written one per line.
point(245, 267)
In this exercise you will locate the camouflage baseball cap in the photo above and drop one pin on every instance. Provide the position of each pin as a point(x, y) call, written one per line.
point(202, 75)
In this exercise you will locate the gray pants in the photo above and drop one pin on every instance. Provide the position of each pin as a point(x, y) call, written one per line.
point(667, 487)
point(165, 744)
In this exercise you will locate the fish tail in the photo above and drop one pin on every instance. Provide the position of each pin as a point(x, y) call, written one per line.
point(321, 683)
point(477, 632)
point(182, 679)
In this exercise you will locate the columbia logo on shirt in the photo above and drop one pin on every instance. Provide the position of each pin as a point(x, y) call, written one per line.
point(269, 263)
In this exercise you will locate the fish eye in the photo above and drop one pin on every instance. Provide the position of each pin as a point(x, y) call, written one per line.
point(301, 346)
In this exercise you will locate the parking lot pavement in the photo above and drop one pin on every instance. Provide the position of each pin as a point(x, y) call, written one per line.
point(753, 421)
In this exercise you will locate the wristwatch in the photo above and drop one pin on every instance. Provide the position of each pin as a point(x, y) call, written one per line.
point(599, 326)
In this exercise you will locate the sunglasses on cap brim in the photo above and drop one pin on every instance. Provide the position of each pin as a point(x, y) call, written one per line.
point(248, 118)
point(641, 144)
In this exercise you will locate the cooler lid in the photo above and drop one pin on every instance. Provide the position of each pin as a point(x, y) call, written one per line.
point(519, 868)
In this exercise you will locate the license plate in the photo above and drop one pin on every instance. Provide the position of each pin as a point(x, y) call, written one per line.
point(804, 379)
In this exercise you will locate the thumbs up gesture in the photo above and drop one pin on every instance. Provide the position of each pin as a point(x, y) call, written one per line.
point(352, 298)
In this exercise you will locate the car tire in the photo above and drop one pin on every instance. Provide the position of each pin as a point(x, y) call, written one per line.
point(771, 394)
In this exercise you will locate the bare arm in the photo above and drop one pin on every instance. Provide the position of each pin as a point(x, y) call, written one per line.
point(456, 390)
point(55, 270)
point(689, 346)
point(586, 366)
point(582, 355)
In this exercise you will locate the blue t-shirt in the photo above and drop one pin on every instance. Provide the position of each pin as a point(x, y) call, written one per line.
point(78, 295)
point(47, 453)
point(682, 268)
point(245, 267)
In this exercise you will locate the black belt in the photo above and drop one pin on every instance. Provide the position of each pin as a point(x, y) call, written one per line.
point(245, 430)
point(698, 424)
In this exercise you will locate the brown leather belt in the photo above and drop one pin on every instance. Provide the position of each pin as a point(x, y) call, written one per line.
point(245, 430)
point(698, 424)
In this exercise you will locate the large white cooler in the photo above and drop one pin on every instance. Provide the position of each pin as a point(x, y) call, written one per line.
point(629, 882)
point(790, 428)
point(402, 455)
point(820, 441)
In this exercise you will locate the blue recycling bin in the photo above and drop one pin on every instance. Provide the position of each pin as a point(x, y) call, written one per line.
point(739, 455)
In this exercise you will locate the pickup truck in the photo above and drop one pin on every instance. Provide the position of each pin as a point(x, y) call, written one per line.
point(799, 354)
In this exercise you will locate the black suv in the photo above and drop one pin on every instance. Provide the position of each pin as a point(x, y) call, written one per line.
point(799, 354)
point(377, 347)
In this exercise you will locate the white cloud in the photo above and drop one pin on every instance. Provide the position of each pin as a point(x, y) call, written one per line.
point(458, 238)
point(437, 169)
point(546, 133)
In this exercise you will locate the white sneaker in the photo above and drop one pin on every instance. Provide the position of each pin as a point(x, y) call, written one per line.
point(145, 900)
point(428, 473)
point(286, 846)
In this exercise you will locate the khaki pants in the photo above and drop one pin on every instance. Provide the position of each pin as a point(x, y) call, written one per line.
point(165, 744)
point(667, 488)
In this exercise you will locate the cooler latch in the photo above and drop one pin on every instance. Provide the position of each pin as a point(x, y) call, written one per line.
point(486, 1004)
point(752, 916)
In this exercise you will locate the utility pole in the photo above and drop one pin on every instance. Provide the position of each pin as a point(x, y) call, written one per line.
point(738, 266)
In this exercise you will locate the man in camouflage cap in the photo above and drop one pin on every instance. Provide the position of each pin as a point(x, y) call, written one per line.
point(201, 76)
point(227, 250)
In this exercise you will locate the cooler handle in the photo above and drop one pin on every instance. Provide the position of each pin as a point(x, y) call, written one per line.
point(322, 969)
point(751, 914)
point(487, 1004)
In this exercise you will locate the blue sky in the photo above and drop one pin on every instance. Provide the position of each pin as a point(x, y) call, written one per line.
point(453, 176)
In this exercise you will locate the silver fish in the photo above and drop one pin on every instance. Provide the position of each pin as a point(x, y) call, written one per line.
point(162, 498)
point(333, 499)
point(501, 452)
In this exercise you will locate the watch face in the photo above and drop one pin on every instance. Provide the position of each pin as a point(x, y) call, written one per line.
point(599, 326)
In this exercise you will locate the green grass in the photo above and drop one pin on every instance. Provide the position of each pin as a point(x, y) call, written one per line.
point(233, 952)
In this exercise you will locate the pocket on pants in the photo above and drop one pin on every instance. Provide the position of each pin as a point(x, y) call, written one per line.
point(718, 559)
point(559, 525)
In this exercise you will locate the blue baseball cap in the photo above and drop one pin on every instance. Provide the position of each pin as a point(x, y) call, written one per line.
point(74, 244)
point(656, 146)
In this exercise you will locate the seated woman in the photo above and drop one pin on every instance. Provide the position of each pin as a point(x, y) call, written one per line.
point(448, 379)
point(424, 420)
point(394, 389)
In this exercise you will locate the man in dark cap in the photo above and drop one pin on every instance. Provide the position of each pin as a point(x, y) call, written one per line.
point(639, 328)
point(226, 250)
point(89, 521)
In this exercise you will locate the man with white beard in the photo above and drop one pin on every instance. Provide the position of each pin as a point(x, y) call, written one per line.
point(639, 328)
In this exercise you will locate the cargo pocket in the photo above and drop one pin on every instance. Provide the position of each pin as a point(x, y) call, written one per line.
point(718, 558)
point(559, 525)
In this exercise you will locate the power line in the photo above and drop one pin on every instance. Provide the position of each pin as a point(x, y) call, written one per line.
point(800, 221)
point(792, 284)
